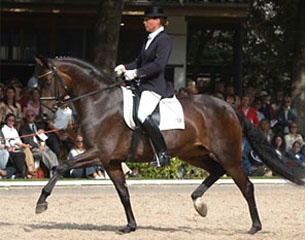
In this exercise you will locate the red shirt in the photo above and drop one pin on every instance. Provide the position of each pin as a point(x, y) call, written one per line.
point(250, 114)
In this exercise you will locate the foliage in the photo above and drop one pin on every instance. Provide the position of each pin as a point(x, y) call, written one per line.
point(177, 170)
point(209, 45)
point(268, 34)
point(269, 43)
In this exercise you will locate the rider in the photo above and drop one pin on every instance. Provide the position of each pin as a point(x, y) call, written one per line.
point(149, 68)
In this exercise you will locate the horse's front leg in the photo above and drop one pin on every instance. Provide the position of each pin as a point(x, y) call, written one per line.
point(86, 159)
point(115, 172)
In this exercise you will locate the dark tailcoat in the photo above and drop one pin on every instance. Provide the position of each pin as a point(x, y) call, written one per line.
point(151, 63)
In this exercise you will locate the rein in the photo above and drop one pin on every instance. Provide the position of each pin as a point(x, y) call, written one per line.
point(72, 99)
point(91, 93)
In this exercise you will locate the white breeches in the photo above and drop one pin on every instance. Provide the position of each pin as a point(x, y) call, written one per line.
point(148, 102)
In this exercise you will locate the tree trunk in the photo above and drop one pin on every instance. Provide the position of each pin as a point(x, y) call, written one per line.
point(107, 33)
point(298, 84)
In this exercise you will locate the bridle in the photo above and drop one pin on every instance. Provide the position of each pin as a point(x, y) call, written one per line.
point(59, 82)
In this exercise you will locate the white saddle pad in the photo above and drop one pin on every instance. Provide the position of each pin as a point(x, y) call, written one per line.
point(171, 112)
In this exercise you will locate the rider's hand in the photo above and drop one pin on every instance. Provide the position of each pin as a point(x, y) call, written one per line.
point(130, 74)
point(119, 70)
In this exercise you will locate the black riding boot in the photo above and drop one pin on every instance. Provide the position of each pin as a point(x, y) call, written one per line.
point(158, 141)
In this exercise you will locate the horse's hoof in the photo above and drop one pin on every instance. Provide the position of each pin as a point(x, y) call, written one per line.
point(127, 229)
point(255, 229)
point(41, 207)
point(201, 207)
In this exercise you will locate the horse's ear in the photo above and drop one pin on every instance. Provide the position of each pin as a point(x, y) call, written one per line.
point(42, 61)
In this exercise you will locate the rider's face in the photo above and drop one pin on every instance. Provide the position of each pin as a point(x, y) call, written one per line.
point(151, 24)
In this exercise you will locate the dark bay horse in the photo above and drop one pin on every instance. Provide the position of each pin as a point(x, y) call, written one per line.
point(211, 139)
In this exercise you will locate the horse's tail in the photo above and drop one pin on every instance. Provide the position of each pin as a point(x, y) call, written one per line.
point(278, 163)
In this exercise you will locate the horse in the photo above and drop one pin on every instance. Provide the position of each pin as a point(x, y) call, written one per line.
point(211, 139)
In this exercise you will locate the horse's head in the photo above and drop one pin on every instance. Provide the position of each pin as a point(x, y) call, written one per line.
point(68, 76)
point(53, 83)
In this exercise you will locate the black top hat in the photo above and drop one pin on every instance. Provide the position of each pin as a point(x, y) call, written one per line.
point(154, 11)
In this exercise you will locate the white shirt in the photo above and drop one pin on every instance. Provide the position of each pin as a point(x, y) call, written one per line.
point(10, 133)
point(62, 118)
point(152, 36)
point(74, 152)
point(291, 138)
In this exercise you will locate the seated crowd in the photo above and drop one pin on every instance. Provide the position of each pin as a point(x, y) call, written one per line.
point(273, 115)
point(32, 144)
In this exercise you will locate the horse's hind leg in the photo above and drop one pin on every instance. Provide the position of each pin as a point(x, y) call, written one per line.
point(216, 171)
point(86, 159)
point(115, 172)
point(247, 189)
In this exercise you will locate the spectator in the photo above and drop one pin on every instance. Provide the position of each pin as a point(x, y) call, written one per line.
point(34, 102)
point(17, 85)
point(250, 91)
point(286, 115)
point(266, 108)
point(231, 99)
point(36, 139)
point(293, 136)
point(4, 156)
point(230, 91)
point(95, 172)
point(246, 163)
point(295, 154)
point(63, 115)
point(264, 127)
point(257, 105)
point(53, 141)
point(191, 86)
point(10, 105)
point(247, 111)
point(24, 98)
point(277, 102)
point(63, 122)
point(14, 146)
point(278, 143)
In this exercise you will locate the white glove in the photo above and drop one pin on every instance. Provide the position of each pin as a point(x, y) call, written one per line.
point(119, 70)
point(130, 74)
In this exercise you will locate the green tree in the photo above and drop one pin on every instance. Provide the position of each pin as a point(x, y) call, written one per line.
point(268, 44)
point(274, 49)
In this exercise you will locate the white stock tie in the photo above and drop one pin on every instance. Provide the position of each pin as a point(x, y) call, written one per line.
point(149, 40)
